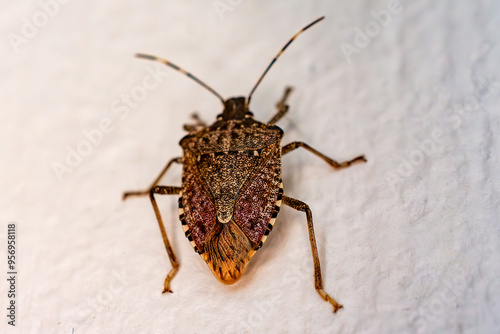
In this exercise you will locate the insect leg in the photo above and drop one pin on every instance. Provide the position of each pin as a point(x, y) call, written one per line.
point(155, 182)
point(198, 123)
point(318, 282)
point(331, 162)
point(282, 106)
point(198, 120)
point(173, 259)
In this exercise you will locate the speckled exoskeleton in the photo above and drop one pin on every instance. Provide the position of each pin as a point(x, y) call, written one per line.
point(232, 189)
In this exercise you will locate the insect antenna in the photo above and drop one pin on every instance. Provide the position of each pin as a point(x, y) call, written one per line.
point(177, 68)
point(279, 54)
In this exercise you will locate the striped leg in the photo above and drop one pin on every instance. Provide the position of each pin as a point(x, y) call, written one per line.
point(331, 162)
point(173, 259)
point(318, 281)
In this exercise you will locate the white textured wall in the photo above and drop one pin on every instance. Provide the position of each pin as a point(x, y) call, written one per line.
point(409, 242)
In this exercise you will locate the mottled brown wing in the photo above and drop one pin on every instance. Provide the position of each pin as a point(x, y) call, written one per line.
point(196, 208)
point(258, 202)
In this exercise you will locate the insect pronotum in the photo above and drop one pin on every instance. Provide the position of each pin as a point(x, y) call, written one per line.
point(232, 189)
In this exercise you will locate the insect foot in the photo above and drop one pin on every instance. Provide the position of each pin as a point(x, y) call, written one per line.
point(336, 306)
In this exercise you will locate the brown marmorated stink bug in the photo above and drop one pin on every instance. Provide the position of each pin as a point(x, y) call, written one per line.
point(231, 187)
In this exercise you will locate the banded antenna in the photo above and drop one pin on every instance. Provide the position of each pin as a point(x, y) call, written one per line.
point(177, 68)
point(279, 54)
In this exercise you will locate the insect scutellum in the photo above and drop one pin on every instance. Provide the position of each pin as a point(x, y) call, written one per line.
point(235, 107)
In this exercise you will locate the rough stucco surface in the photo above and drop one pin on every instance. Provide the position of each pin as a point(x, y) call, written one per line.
point(409, 242)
